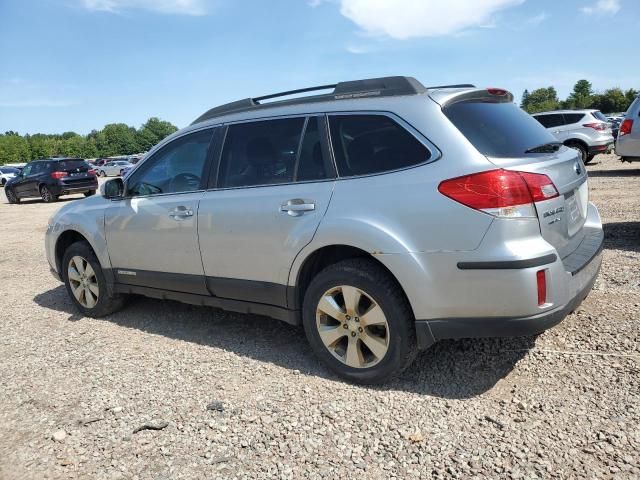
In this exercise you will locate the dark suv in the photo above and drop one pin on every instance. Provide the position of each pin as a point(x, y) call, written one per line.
point(51, 177)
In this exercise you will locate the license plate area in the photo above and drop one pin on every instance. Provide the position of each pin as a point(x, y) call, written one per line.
point(576, 211)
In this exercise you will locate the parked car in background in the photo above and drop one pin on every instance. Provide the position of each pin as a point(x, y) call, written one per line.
point(7, 173)
point(50, 178)
point(586, 131)
point(628, 142)
point(126, 171)
point(615, 125)
point(113, 168)
point(383, 216)
point(98, 162)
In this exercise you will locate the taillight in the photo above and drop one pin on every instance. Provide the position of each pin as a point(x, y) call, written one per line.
point(503, 193)
point(541, 280)
point(601, 127)
point(92, 172)
point(58, 175)
point(625, 127)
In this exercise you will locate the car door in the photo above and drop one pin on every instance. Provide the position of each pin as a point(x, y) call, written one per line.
point(274, 184)
point(151, 233)
point(26, 185)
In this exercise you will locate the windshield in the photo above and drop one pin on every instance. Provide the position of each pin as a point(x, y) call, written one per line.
point(498, 129)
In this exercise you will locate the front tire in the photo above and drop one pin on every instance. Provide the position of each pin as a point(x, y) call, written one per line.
point(85, 282)
point(90, 193)
point(47, 195)
point(589, 158)
point(358, 321)
point(11, 196)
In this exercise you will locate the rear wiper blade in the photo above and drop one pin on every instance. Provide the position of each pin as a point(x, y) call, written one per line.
point(545, 148)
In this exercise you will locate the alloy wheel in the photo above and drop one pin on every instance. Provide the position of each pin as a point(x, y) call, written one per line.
point(46, 194)
point(352, 326)
point(83, 282)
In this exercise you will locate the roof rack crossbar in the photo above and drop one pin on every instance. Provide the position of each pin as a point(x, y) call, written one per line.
point(293, 92)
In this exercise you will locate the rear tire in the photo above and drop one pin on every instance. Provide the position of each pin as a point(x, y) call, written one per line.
point(85, 282)
point(11, 196)
point(102, 173)
point(90, 193)
point(379, 316)
point(589, 158)
point(47, 195)
point(580, 149)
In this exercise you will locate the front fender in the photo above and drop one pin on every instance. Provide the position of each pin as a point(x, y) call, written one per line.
point(87, 218)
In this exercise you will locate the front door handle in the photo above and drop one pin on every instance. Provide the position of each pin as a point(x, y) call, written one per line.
point(180, 212)
point(297, 207)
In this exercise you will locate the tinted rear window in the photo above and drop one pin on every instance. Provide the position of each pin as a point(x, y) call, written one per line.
point(9, 170)
point(68, 165)
point(573, 117)
point(498, 129)
point(599, 116)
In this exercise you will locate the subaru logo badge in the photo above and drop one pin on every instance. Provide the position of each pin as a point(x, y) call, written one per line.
point(576, 167)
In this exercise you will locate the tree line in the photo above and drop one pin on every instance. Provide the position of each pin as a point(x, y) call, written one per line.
point(612, 100)
point(113, 139)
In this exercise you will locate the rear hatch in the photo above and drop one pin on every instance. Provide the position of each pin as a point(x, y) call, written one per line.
point(74, 172)
point(513, 140)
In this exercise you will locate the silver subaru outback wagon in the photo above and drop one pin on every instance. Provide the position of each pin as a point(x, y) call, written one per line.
point(382, 216)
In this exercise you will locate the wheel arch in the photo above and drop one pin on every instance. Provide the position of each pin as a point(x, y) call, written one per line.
point(64, 241)
point(322, 257)
point(575, 140)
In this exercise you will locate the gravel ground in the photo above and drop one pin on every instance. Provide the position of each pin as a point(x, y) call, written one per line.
point(162, 390)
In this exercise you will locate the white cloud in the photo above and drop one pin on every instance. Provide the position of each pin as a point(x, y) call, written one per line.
point(603, 6)
point(537, 19)
point(357, 49)
point(421, 18)
point(182, 7)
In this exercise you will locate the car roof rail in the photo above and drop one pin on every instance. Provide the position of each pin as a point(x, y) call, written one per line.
point(371, 87)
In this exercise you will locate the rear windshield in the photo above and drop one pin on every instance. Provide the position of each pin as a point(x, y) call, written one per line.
point(68, 165)
point(9, 170)
point(498, 129)
point(599, 116)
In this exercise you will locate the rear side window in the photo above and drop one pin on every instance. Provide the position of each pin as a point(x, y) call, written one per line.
point(498, 129)
point(260, 153)
point(574, 117)
point(367, 144)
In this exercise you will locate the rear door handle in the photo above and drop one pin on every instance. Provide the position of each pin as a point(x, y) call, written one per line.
point(297, 207)
point(180, 212)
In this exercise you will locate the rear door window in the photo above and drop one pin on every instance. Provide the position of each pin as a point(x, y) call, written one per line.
point(260, 153)
point(367, 144)
point(311, 162)
point(500, 130)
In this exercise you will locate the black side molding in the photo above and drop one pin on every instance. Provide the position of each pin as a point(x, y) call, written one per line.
point(509, 264)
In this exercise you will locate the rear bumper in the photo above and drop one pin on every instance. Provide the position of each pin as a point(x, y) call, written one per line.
point(581, 270)
point(62, 189)
point(602, 148)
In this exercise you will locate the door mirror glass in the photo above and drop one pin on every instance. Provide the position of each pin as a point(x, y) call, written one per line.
point(112, 188)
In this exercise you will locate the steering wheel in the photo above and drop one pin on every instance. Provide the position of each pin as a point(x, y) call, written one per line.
point(185, 179)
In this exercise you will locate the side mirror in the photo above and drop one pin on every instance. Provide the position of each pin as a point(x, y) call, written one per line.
point(112, 189)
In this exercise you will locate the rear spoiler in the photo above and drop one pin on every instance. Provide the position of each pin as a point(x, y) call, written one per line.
point(493, 95)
